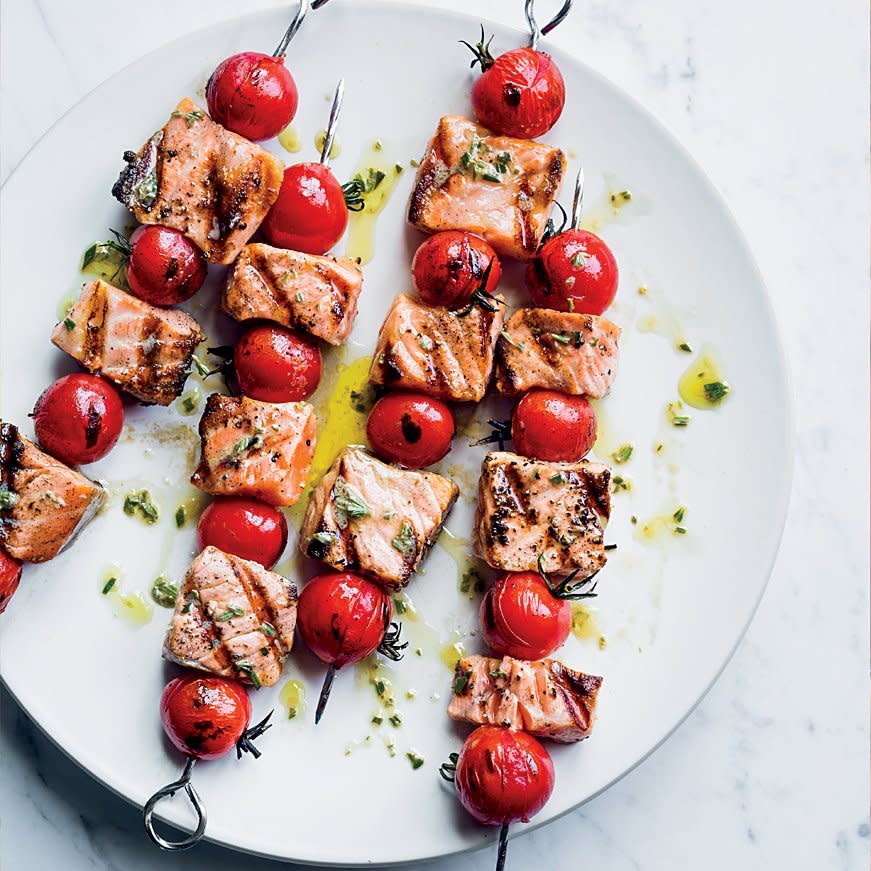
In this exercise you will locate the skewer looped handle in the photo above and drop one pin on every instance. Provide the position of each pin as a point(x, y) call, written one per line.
point(535, 33)
point(330, 135)
point(184, 782)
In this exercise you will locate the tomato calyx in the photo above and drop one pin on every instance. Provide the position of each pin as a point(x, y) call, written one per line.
point(482, 297)
point(448, 770)
point(245, 744)
point(354, 189)
point(481, 52)
point(500, 434)
point(568, 588)
point(390, 645)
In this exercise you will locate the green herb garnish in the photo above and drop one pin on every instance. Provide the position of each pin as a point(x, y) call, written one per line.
point(507, 336)
point(396, 720)
point(244, 446)
point(268, 629)
point(69, 323)
point(230, 613)
point(190, 117)
point(180, 516)
point(8, 499)
point(580, 260)
point(560, 337)
point(622, 454)
point(684, 346)
point(679, 514)
point(323, 537)
point(461, 681)
point(191, 597)
point(348, 504)
point(415, 760)
point(164, 592)
point(107, 587)
point(558, 478)
point(248, 669)
point(716, 390)
point(141, 502)
point(406, 541)
point(355, 189)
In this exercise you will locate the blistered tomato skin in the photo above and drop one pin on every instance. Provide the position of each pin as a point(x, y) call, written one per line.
point(574, 271)
point(449, 266)
point(553, 426)
point(411, 429)
point(521, 617)
point(273, 364)
point(252, 94)
point(503, 776)
point(522, 94)
point(204, 717)
point(165, 267)
point(342, 617)
point(310, 214)
point(244, 527)
point(10, 577)
point(78, 419)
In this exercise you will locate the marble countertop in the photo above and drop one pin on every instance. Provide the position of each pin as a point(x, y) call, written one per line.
point(770, 771)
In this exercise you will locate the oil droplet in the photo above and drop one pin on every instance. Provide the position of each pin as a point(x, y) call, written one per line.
point(663, 320)
point(702, 385)
point(189, 402)
point(64, 306)
point(289, 139)
point(335, 151)
point(585, 625)
point(451, 653)
point(292, 696)
point(133, 608)
point(470, 578)
point(361, 226)
point(608, 439)
point(618, 205)
point(404, 607)
point(662, 527)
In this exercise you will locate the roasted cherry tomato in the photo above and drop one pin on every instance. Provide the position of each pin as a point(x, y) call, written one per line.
point(244, 527)
point(252, 94)
point(165, 267)
point(79, 418)
point(574, 271)
point(521, 617)
point(411, 429)
point(343, 618)
point(449, 267)
point(520, 93)
point(204, 717)
point(310, 214)
point(273, 364)
point(10, 576)
point(503, 776)
point(553, 426)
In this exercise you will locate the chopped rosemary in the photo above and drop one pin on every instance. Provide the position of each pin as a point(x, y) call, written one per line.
point(461, 681)
point(376, 720)
point(8, 499)
point(323, 537)
point(230, 613)
point(299, 297)
point(192, 596)
point(395, 720)
point(268, 629)
point(415, 760)
point(716, 390)
point(348, 504)
point(248, 669)
point(579, 261)
point(244, 446)
point(190, 400)
point(355, 189)
point(558, 478)
point(164, 592)
point(405, 542)
point(685, 346)
point(107, 587)
point(69, 323)
point(190, 117)
point(142, 503)
point(679, 514)
point(180, 516)
point(680, 530)
point(507, 336)
point(475, 161)
point(560, 337)
point(622, 454)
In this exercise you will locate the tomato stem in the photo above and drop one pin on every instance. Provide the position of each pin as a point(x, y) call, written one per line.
point(325, 692)
point(245, 744)
point(481, 52)
point(503, 847)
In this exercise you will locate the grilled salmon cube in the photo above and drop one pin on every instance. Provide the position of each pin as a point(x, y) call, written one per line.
point(211, 184)
point(494, 186)
point(253, 448)
point(43, 503)
point(567, 351)
point(233, 618)
point(143, 349)
point(375, 518)
point(437, 350)
point(311, 293)
point(530, 510)
point(544, 697)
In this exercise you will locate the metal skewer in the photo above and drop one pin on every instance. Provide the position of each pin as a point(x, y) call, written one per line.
point(193, 796)
point(333, 124)
point(535, 33)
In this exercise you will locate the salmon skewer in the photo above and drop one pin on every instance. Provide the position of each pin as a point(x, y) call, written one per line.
point(567, 351)
point(544, 697)
point(43, 503)
point(143, 349)
point(500, 188)
point(233, 618)
point(305, 291)
point(439, 351)
point(253, 448)
point(194, 175)
point(534, 515)
point(374, 518)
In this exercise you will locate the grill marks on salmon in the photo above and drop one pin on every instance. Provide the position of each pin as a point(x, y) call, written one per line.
point(545, 697)
point(529, 509)
point(143, 349)
point(436, 350)
point(253, 448)
point(233, 618)
point(567, 351)
point(374, 518)
point(305, 291)
point(48, 501)
point(494, 186)
point(211, 184)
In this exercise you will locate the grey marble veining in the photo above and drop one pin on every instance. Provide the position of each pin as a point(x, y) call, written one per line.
point(771, 770)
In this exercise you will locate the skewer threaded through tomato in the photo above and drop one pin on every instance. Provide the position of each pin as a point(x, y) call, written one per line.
point(244, 527)
point(553, 426)
point(165, 267)
point(274, 364)
point(411, 429)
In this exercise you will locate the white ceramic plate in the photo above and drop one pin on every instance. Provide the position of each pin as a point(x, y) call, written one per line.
point(672, 610)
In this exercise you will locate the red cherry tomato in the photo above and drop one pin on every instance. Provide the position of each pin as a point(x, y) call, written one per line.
point(449, 266)
point(412, 429)
point(252, 94)
point(503, 776)
point(342, 617)
point(165, 267)
point(244, 527)
point(553, 426)
point(79, 418)
point(10, 576)
point(204, 717)
point(521, 617)
point(574, 271)
point(520, 94)
point(273, 364)
point(310, 214)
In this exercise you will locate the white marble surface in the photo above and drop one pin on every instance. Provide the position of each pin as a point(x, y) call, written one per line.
point(771, 770)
